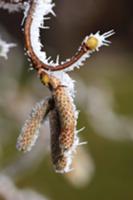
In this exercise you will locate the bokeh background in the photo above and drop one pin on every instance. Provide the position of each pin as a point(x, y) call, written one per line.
point(103, 167)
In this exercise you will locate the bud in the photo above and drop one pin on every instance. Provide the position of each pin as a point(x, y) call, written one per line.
point(92, 43)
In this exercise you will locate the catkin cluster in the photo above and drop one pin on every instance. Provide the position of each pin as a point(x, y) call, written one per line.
point(60, 110)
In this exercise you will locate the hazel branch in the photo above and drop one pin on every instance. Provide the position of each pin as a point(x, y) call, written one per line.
point(39, 60)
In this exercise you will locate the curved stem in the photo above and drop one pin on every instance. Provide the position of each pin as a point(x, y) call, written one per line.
point(37, 63)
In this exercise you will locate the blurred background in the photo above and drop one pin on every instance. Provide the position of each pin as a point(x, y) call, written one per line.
point(103, 167)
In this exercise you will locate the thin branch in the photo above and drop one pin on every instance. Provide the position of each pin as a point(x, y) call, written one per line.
point(37, 63)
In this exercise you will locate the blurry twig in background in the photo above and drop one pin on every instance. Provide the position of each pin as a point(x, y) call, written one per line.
point(84, 169)
point(5, 48)
point(23, 163)
point(8, 191)
point(99, 101)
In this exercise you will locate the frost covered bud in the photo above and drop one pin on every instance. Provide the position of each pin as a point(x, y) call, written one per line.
point(92, 43)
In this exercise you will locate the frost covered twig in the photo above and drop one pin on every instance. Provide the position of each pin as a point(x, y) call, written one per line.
point(61, 110)
point(9, 191)
point(37, 13)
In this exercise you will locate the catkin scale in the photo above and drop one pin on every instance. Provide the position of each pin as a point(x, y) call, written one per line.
point(30, 130)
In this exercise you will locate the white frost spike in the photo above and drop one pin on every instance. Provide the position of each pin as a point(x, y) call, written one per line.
point(30, 130)
point(49, 58)
point(26, 9)
point(44, 27)
point(5, 48)
point(47, 18)
point(83, 143)
point(58, 59)
point(80, 130)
